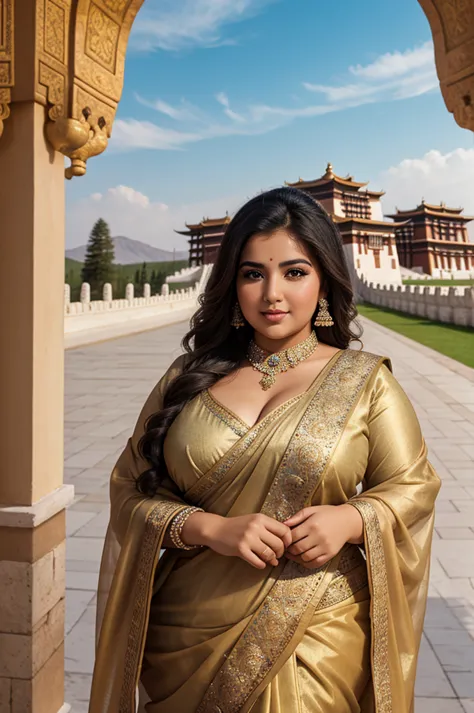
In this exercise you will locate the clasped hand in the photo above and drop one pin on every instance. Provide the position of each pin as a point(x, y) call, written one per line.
point(320, 532)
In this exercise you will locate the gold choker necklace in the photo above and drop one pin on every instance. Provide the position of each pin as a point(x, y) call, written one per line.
point(272, 364)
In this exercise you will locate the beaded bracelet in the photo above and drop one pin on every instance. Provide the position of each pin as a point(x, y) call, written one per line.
point(177, 525)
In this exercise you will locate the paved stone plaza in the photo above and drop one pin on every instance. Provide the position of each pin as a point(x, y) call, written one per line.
point(106, 385)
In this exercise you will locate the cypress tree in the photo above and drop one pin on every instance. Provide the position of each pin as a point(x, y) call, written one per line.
point(98, 265)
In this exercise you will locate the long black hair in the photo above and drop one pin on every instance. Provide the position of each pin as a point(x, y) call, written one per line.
point(218, 348)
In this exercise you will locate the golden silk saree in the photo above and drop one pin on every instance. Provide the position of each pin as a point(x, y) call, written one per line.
point(206, 633)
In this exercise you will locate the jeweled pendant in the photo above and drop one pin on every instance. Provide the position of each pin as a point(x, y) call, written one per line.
point(267, 381)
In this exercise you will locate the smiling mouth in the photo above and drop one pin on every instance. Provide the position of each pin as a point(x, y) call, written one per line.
point(274, 312)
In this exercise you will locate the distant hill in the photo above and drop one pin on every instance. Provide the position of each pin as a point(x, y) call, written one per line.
point(129, 252)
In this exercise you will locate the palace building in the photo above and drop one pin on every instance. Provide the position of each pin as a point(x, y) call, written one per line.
point(433, 239)
point(205, 239)
point(369, 240)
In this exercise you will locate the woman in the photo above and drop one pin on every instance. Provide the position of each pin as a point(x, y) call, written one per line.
point(266, 460)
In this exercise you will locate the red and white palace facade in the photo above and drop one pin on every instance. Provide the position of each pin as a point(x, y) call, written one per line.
point(433, 239)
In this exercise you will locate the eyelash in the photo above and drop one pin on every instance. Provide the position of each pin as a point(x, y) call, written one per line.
point(302, 273)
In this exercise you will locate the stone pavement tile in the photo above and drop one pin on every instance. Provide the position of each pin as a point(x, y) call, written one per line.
point(431, 681)
point(463, 684)
point(86, 458)
point(470, 451)
point(455, 533)
point(80, 506)
point(446, 506)
point(75, 520)
point(100, 496)
point(457, 559)
point(82, 566)
point(74, 445)
point(82, 580)
point(456, 659)
point(451, 454)
point(76, 604)
point(79, 648)
point(77, 687)
point(85, 549)
point(468, 705)
point(465, 473)
point(439, 615)
point(466, 505)
point(71, 473)
point(453, 637)
point(97, 526)
point(437, 705)
point(453, 491)
point(447, 519)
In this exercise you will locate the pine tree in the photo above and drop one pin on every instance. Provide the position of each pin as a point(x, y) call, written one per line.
point(143, 276)
point(99, 261)
point(153, 282)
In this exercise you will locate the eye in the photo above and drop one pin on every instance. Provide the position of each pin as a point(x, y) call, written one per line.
point(252, 272)
point(298, 271)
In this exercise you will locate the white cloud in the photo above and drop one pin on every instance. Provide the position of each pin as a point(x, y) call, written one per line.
point(434, 177)
point(395, 64)
point(133, 214)
point(396, 75)
point(392, 76)
point(181, 24)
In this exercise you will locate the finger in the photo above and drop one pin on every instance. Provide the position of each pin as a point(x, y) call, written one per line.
point(299, 532)
point(298, 517)
point(253, 559)
point(313, 554)
point(265, 553)
point(272, 541)
point(298, 548)
point(279, 529)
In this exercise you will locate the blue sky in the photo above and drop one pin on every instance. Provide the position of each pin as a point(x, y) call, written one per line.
point(224, 98)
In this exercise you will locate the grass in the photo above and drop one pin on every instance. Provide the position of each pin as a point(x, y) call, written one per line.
point(441, 283)
point(451, 340)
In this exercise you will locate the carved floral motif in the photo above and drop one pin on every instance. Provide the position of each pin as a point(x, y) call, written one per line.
point(6, 59)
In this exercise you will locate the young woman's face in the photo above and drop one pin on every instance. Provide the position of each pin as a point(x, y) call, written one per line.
point(276, 273)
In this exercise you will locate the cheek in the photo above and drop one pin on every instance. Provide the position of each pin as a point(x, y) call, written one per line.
point(305, 291)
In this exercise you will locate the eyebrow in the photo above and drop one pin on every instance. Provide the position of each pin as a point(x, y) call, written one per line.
point(299, 261)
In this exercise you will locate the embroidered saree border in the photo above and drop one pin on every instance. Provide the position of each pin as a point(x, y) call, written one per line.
point(274, 624)
point(156, 520)
point(379, 596)
point(268, 633)
point(235, 424)
point(319, 430)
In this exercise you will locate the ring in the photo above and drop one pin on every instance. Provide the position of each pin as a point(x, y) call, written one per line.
point(263, 553)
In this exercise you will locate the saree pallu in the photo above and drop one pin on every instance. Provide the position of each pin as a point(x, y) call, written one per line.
point(211, 634)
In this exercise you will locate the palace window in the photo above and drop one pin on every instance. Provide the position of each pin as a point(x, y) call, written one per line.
point(355, 206)
point(376, 242)
point(377, 258)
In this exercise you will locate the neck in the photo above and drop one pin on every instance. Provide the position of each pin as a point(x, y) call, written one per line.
point(277, 345)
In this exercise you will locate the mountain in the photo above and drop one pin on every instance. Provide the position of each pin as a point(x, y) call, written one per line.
point(129, 252)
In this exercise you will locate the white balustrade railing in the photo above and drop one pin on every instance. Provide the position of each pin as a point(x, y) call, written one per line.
point(453, 304)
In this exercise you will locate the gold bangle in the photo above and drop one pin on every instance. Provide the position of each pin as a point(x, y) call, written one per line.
point(177, 525)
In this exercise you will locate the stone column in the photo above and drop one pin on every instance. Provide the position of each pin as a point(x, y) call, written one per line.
point(32, 496)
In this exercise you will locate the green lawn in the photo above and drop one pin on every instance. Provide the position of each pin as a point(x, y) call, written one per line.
point(441, 283)
point(455, 342)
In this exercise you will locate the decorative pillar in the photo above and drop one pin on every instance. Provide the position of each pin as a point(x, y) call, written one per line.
point(129, 292)
point(60, 82)
point(85, 293)
point(147, 291)
point(165, 289)
point(107, 292)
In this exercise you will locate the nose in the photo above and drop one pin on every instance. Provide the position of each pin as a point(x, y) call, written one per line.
point(272, 290)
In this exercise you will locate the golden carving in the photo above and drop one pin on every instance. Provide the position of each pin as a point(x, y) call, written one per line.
point(81, 57)
point(452, 26)
point(6, 59)
point(55, 31)
point(101, 39)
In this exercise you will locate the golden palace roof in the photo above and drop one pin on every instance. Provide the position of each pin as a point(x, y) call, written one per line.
point(438, 211)
point(329, 177)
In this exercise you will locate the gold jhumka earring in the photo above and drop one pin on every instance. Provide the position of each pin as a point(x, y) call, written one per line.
point(323, 318)
point(237, 317)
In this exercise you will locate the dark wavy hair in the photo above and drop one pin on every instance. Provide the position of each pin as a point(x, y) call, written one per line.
point(218, 348)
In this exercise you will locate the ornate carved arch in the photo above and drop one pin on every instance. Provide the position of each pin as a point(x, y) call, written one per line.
point(452, 26)
point(81, 58)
